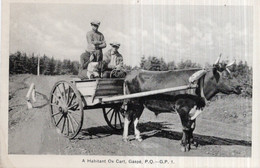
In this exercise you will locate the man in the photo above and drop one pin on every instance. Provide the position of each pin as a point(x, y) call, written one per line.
point(96, 42)
point(112, 59)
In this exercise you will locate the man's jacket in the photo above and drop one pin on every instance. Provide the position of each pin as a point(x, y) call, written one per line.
point(112, 59)
point(96, 42)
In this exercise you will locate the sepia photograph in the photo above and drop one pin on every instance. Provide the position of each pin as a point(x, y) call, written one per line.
point(129, 84)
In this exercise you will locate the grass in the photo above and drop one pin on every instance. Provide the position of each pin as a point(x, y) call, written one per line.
point(230, 109)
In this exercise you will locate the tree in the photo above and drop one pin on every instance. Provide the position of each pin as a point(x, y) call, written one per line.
point(171, 65)
point(66, 67)
point(46, 65)
point(188, 64)
point(57, 70)
point(12, 65)
point(19, 68)
point(163, 65)
point(24, 63)
point(33, 64)
point(51, 66)
point(143, 60)
point(243, 73)
point(75, 67)
point(152, 64)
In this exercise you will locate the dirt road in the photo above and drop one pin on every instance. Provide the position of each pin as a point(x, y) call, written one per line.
point(224, 128)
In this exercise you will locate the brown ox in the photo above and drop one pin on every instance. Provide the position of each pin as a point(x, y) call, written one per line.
point(188, 105)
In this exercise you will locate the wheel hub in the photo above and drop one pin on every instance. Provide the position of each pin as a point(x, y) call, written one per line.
point(63, 110)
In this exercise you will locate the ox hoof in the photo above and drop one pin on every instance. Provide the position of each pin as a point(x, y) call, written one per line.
point(139, 139)
point(125, 139)
point(195, 144)
point(185, 148)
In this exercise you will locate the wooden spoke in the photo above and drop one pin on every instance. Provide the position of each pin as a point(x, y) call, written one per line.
point(68, 129)
point(58, 98)
point(56, 114)
point(70, 101)
point(76, 108)
point(76, 104)
point(72, 126)
point(54, 105)
point(115, 118)
point(120, 119)
point(109, 111)
point(112, 116)
point(65, 97)
point(74, 119)
point(68, 95)
point(59, 121)
point(64, 121)
point(74, 112)
point(61, 93)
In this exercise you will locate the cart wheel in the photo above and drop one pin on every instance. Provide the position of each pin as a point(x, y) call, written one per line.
point(114, 117)
point(66, 109)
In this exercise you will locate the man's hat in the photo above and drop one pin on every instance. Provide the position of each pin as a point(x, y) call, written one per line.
point(115, 44)
point(95, 22)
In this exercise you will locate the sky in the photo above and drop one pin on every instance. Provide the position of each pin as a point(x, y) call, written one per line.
point(171, 32)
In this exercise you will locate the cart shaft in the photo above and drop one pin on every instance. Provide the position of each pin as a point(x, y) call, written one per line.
point(148, 93)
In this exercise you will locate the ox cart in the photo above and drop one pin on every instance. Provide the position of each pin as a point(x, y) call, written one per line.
point(69, 100)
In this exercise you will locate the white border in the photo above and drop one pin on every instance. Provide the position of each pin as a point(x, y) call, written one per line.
point(75, 161)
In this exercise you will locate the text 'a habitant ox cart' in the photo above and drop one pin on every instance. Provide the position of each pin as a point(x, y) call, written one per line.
point(69, 100)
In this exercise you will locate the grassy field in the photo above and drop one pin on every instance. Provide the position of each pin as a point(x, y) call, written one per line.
point(230, 109)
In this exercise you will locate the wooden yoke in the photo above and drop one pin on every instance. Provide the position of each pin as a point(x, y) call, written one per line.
point(199, 76)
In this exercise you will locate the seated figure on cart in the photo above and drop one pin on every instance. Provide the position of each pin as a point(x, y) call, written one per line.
point(91, 60)
point(113, 62)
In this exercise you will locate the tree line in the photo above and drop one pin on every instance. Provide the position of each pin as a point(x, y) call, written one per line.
point(158, 64)
point(21, 63)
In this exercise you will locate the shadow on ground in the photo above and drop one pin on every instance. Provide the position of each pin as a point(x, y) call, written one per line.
point(44, 97)
point(160, 130)
point(96, 133)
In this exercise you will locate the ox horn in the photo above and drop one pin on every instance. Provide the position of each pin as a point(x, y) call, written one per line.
point(217, 61)
point(194, 113)
point(228, 70)
point(230, 64)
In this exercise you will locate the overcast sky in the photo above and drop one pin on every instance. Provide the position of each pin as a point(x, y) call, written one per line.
point(199, 33)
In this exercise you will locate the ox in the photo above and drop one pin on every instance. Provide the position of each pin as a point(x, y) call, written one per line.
point(186, 103)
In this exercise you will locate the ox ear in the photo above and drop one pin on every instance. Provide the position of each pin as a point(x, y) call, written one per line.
point(217, 61)
point(229, 65)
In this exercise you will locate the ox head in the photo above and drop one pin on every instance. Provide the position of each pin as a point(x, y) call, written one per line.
point(220, 80)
